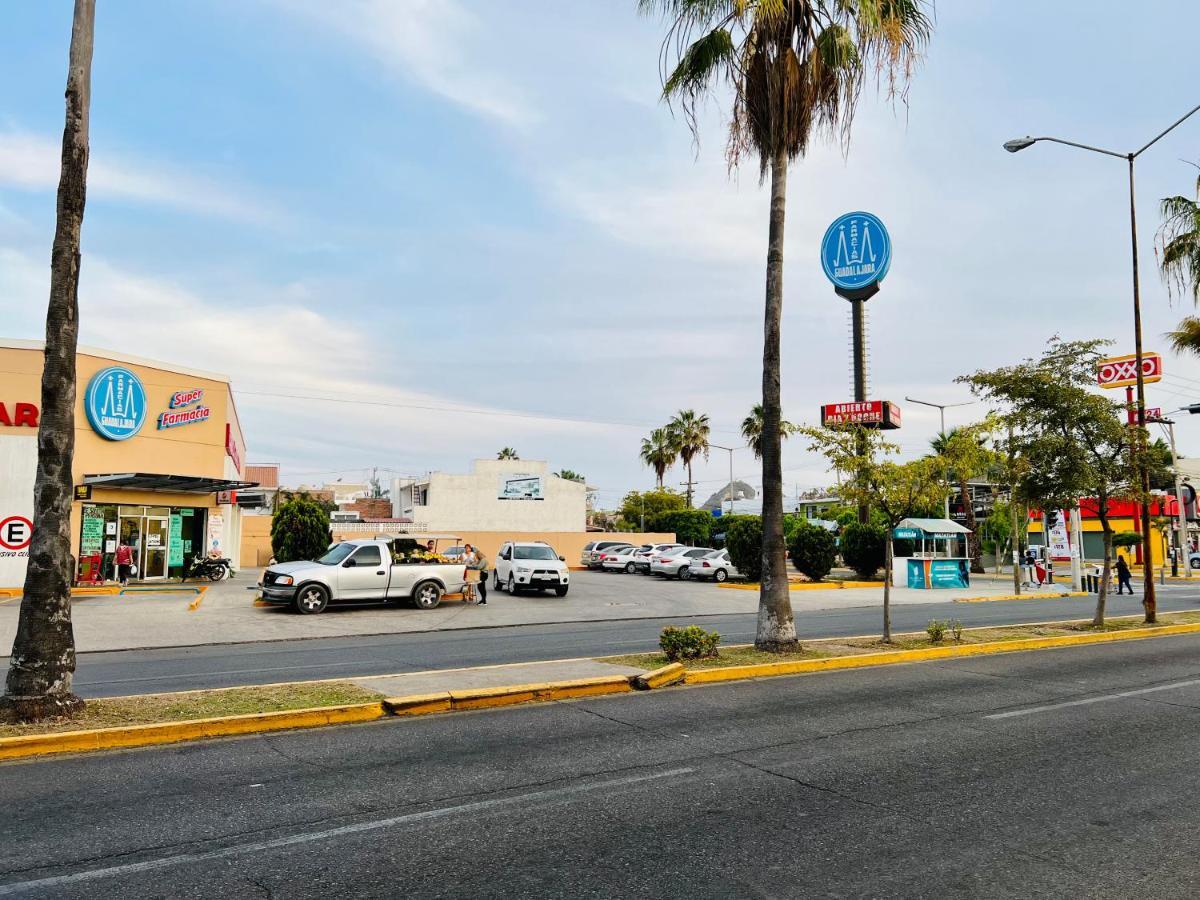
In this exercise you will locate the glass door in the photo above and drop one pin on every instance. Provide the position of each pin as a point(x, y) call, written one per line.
point(129, 531)
point(155, 548)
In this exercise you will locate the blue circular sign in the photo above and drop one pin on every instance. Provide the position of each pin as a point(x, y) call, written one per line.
point(115, 403)
point(856, 251)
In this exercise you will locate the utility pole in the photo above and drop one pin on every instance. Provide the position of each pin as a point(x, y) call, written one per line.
point(1012, 516)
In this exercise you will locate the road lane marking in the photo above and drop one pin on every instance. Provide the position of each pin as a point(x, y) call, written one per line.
point(1086, 700)
point(57, 881)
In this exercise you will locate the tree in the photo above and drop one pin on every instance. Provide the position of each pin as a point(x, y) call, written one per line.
point(964, 455)
point(569, 475)
point(647, 506)
point(691, 527)
point(894, 491)
point(507, 453)
point(752, 427)
point(689, 437)
point(862, 547)
point(743, 540)
point(42, 664)
point(813, 550)
point(658, 452)
point(796, 69)
point(299, 530)
point(1178, 249)
point(1072, 439)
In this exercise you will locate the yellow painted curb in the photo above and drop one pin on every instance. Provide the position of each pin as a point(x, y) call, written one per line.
point(193, 729)
point(865, 660)
point(809, 585)
point(508, 695)
point(1033, 595)
point(417, 704)
point(669, 674)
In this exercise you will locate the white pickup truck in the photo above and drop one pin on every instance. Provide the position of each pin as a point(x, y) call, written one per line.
point(360, 571)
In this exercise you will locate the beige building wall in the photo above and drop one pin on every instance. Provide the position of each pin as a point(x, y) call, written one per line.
point(256, 542)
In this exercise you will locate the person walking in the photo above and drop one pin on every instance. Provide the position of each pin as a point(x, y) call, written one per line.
point(1123, 575)
point(124, 562)
point(479, 562)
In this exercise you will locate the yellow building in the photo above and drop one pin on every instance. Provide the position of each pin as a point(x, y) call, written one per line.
point(158, 460)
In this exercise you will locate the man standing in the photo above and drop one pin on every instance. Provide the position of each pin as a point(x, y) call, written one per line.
point(479, 562)
point(1123, 575)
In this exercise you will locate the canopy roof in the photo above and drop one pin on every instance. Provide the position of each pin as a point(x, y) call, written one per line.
point(183, 484)
point(935, 526)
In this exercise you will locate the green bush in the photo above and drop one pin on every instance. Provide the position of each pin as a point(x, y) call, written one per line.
point(721, 526)
point(936, 630)
point(813, 551)
point(743, 540)
point(956, 629)
point(692, 642)
point(692, 527)
point(863, 548)
point(299, 530)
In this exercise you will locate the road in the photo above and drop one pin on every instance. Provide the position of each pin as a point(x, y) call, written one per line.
point(110, 674)
point(1067, 772)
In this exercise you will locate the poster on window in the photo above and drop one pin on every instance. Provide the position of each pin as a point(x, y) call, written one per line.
point(175, 540)
point(18, 463)
point(520, 486)
point(216, 524)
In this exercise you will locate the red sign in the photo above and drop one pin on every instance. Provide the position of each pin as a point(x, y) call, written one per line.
point(1153, 414)
point(231, 448)
point(881, 414)
point(1121, 371)
point(22, 414)
point(226, 497)
point(15, 533)
point(186, 398)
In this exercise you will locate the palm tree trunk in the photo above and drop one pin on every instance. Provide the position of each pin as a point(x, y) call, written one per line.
point(776, 625)
point(974, 545)
point(43, 654)
point(689, 484)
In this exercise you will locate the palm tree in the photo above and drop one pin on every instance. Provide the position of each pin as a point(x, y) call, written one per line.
point(659, 453)
point(42, 665)
point(507, 453)
point(689, 436)
point(1186, 336)
point(570, 475)
point(795, 68)
point(752, 429)
point(1178, 244)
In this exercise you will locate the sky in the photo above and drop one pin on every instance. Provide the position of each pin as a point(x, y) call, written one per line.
point(413, 232)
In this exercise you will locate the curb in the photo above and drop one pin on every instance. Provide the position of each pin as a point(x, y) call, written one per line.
point(1057, 595)
point(648, 681)
point(809, 585)
point(190, 730)
point(867, 660)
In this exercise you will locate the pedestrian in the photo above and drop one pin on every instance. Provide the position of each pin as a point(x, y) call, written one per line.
point(124, 561)
point(476, 560)
point(1123, 575)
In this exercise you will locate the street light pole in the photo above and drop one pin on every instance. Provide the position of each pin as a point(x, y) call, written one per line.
point(730, 451)
point(1149, 601)
point(941, 408)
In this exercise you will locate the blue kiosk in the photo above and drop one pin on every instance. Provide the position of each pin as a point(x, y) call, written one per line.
point(938, 558)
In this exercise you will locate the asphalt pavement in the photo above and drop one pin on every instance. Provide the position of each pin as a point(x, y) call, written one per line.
point(1061, 773)
point(107, 674)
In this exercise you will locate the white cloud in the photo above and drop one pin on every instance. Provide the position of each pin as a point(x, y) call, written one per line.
point(31, 162)
point(436, 43)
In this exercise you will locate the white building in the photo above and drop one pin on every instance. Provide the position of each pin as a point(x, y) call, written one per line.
point(498, 495)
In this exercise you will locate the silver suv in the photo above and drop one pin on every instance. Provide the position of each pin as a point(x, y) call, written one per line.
point(593, 550)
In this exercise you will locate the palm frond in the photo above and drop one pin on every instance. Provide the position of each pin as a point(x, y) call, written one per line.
point(1186, 336)
point(709, 59)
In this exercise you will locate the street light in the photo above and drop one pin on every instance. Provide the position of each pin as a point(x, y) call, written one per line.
point(1015, 146)
point(941, 408)
point(730, 451)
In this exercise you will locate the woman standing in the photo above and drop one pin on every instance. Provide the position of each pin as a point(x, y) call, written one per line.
point(124, 562)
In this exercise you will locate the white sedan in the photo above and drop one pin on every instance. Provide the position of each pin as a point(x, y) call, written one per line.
point(717, 566)
point(678, 563)
point(619, 559)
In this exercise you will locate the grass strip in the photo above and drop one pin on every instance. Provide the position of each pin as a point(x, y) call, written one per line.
point(745, 654)
point(156, 708)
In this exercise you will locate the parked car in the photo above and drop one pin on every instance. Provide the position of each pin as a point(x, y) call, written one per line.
point(360, 572)
point(530, 565)
point(717, 566)
point(619, 559)
point(1194, 560)
point(648, 552)
point(592, 550)
point(678, 563)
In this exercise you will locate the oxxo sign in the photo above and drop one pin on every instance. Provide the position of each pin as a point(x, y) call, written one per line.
point(1121, 371)
point(186, 409)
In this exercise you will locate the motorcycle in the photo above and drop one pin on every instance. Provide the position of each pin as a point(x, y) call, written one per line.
point(207, 567)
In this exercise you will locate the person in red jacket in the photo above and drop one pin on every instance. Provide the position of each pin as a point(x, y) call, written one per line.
point(124, 561)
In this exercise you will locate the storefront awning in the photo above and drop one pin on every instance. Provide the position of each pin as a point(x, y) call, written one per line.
point(916, 528)
point(178, 484)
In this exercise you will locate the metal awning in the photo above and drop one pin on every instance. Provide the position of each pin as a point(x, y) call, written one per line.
point(933, 527)
point(179, 484)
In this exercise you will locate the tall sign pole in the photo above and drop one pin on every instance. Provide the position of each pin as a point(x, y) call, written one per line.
point(855, 254)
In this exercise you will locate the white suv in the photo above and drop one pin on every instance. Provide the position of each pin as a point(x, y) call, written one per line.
point(530, 565)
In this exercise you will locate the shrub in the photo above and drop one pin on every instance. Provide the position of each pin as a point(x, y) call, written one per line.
point(936, 630)
point(690, 526)
point(721, 525)
point(956, 629)
point(743, 540)
point(299, 530)
point(692, 642)
point(863, 548)
point(813, 551)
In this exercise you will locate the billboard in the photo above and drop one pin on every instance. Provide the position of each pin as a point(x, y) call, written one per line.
point(520, 486)
point(882, 414)
point(1121, 371)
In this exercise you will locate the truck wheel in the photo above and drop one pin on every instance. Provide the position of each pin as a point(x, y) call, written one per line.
point(427, 595)
point(560, 591)
point(311, 599)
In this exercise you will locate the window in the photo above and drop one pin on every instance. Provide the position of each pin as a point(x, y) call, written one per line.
point(368, 556)
point(534, 553)
point(696, 554)
point(336, 554)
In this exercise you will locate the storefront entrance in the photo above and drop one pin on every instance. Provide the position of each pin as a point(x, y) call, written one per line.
point(163, 538)
point(144, 528)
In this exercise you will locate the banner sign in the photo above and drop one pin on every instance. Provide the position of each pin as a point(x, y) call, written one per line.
point(1057, 540)
point(520, 487)
point(1121, 371)
point(934, 574)
point(856, 251)
point(881, 414)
